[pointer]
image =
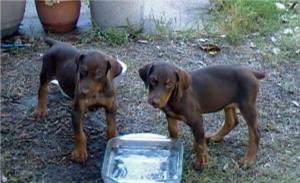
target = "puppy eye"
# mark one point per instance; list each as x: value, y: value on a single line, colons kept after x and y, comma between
x: 169, y: 84
x: 99, y: 76
x: 83, y: 73
x: 152, y: 80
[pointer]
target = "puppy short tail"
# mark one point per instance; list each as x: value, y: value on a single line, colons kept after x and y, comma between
x: 259, y: 75
x: 50, y: 41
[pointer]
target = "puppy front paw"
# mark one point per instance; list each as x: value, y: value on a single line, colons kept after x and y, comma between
x: 111, y: 133
x: 213, y: 137
x: 202, y: 157
x: 247, y: 161
x: 79, y: 155
x: 199, y: 164
x: 174, y: 135
x: 40, y: 113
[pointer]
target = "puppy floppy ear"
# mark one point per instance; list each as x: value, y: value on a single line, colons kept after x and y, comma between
x: 79, y: 58
x: 184, y: 81
x: 114, y: 68
x: 144, y: 73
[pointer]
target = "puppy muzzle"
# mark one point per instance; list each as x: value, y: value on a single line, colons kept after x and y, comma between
x: 154, y: 102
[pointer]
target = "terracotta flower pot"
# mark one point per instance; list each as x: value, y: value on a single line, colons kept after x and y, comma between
x: 58, y: 15
x: 12, y: 13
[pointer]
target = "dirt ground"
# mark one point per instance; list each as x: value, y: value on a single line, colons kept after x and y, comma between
x: 38, y: 151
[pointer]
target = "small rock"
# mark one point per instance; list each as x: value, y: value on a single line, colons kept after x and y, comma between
x: 202, y: 63
x: 158, y: 47
x: 294, y: 16
x: 142, y: 41
x: 225, y: 167
x: 3, y: 179
x: 288, y: 152
x: 4, y: 55
x: 252, y: 45
x: 276, y: 51
x: 284, y: 19
x: 288, y: 31
x: 18, y: 41
x: 273, y: 39
x: 202, y: 40
x: 280, y: 6
x: 297, y: 8
x: 256, y: 34
x: 296, y: 104
x: 160, y: 54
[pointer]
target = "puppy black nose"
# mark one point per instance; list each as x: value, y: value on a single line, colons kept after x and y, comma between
x: 154, y: 102
x: 84, y: 91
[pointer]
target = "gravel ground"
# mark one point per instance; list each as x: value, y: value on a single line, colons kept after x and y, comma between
x: 38, y: 151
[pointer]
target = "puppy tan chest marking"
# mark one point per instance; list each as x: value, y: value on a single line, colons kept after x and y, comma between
x: 172, y: 114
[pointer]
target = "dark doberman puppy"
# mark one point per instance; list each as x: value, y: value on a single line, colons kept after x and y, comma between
x: 85, y: 77
x: 186, y: 96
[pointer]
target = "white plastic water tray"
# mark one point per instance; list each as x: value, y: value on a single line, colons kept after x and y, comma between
x: 142, y: 158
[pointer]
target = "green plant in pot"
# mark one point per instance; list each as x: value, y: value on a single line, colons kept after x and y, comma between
x: 58, y: 16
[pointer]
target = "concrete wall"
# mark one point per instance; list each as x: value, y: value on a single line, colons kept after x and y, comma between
x: 178, y: 14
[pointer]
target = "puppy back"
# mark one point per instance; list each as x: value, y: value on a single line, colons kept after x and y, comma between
x: 50, y: 41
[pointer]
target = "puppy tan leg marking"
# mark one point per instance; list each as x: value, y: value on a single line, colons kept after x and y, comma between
x: 173, y: 127
x: 230, y: 122
x: 202, y: 157
x: 250, y: 115
x: 79, y: 153
x: 41, y: 110
x: 111, y: 121
x: 199, y: 144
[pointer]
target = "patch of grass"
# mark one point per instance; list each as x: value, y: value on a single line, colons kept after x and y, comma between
x: 12, y: 176
x: 162, y: 29
x: 239, y: 18
x: 286, y: 39
x: 86, y: 2
x: 111, y: 35
x: 289, y: 87
x: 92, y: 35
x: 116, y: 36
x: 289, y: 46
x: 188, y: 34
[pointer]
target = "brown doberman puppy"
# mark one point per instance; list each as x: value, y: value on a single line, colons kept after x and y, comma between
x: 85, y: 77
x: 186, y: 96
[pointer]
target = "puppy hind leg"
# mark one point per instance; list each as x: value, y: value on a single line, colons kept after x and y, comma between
x: 41, y: 110
x: 231, y: 120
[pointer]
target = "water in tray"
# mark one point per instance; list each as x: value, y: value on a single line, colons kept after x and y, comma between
x: 149, y: 165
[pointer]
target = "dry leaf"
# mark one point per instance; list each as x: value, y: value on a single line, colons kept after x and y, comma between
x: 210, y: 48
